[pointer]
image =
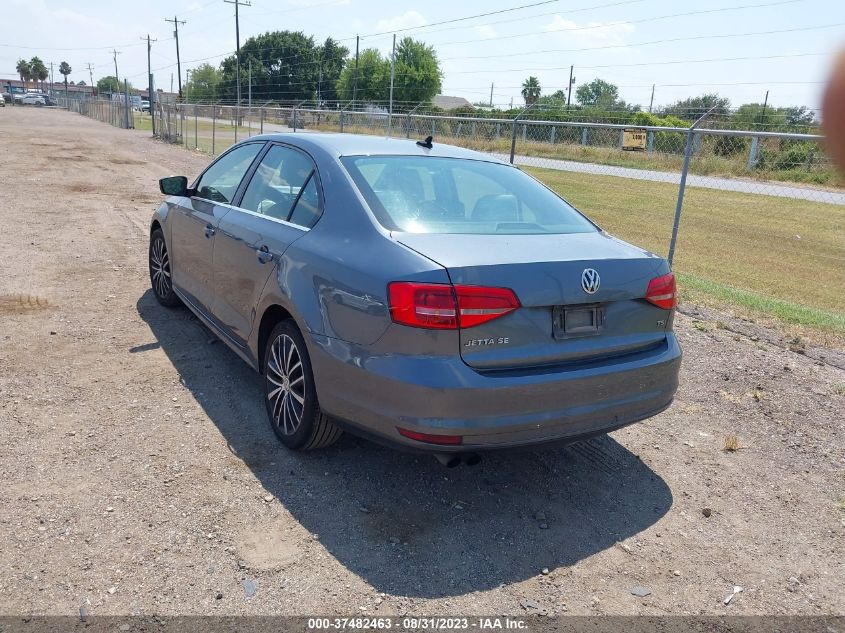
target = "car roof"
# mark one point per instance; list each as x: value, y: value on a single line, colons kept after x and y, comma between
x: 364, y: 145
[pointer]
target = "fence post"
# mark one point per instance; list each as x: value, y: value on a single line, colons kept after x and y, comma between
x: 513, y: 140
x: 196, y: 128
x: 524, y: 131
x: 752, y: 154
x: 213, y: 127
x: 341, y: 120
x: 433, y: 126
x: 458, y: 131
x: 552, y: 135
x: 294, y: 118
x: 261, y: 120
x: 408, y: 125
x: 498, y: 130
x: 681, y: 188
x: 584, y: 135
x: 649, y: 141
x: 683, y: 184
x: 621, y: 139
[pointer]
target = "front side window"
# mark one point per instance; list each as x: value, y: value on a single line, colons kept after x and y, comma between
x: 278, y: 182
x: 423, y: 194
x: 220, y: 181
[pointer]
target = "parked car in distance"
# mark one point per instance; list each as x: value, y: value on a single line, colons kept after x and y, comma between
x: 426, y: 296
x: 31, y: 99
x: 2, y: 101
x: 145, y: 106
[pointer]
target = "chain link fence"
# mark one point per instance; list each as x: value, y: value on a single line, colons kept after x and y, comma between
x: 750, y: 216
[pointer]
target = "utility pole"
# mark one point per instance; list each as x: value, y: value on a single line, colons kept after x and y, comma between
x: 115, y: 53
x: 763, y: 113
x: 150, y: 95
x: 91, y: 76
x: 176, y: 23
x: 651, y: 101
x: 491, y: 95
x: 51, y: 80
x: 392, y: 74
x: 355, y: 80
x: 237, y: 4
x: 569, y: 91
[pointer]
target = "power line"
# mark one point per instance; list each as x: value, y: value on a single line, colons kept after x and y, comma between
x: 639, y: 21
x: 631, y: 44
x: 660, y: 63
x: 463, y: 19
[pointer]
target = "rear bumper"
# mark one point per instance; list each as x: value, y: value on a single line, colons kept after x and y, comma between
x: 495, y: 410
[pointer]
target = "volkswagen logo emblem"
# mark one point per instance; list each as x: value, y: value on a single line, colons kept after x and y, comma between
x: 590, y: 281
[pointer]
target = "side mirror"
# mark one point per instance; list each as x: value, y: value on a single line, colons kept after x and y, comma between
x: 174, y: 186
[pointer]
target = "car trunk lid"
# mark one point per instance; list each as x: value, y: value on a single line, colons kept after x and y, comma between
x: 558, y: 321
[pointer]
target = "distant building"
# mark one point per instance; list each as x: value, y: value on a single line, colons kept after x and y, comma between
x: 74, y: 91
x: 445, y: 102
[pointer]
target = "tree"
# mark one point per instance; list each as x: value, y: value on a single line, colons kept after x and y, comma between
x: 38, y: 70
x: 694, y: 107
x: 204, y: 83
x: 556, y: 99
x: 285, y: 67
x: 373, y: 83
x: 24, y: 71
x: 531, y: 90
x: 332, y: 56
x: 418, y: 77
x: 599, y: 93
x: 81, y: 83
x: 65, y: 69
x: 109, y: 83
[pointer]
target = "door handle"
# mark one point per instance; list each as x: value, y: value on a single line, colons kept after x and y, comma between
x: 209, y: 230
x: 264, y: 254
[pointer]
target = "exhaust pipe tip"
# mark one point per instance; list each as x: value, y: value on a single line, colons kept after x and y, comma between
x: 449, y: 460
x: 472, y: 459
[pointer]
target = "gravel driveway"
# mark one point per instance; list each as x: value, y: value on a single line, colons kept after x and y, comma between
x: 141, y: 476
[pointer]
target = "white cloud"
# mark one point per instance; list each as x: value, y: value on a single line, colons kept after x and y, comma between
x: 485, y: 30
x: 408, y: 20
x: 590, y: 32
x: 194, y: 6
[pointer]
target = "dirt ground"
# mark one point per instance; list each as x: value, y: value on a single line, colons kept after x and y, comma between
x: 141, y: 476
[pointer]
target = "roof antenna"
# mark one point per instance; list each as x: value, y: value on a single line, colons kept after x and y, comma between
x: 426, y: 143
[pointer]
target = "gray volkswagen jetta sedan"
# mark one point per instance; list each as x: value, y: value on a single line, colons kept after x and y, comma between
x: 420, y: 294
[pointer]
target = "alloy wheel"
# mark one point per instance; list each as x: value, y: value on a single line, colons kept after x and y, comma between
x: 160, y: 267
x: 285, y: 384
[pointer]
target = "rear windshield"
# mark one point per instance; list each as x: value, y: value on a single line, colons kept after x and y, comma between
x: 421, y: 194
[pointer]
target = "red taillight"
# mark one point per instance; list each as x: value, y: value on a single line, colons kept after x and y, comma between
x: 447, y: 307
x: 479, y: 304
x: 662, y: 292
x: 431, y: 438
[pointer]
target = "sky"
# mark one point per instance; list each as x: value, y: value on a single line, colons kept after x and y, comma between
x: 737, y: 48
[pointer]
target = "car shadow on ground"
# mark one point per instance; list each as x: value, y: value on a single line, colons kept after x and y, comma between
x: 405, y: 524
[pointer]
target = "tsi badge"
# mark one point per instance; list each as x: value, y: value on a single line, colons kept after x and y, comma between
x: 590, y: 281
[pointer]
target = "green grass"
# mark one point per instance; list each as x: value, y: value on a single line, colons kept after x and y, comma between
x: 692, y: 287
x: 775, y: 256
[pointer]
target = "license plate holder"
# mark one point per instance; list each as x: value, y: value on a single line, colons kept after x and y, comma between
x: 578, y: 320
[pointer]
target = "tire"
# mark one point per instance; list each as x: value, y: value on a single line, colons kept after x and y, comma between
x: 160, y: 277
x: 287, y: 378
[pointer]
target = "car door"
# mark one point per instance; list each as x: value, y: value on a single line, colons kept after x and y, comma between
x: 279, y: 205
x: 193, y: 226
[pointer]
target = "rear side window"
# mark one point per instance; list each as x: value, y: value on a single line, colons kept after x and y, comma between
x: 281, y: 180
x: 220, y: 181
x: 423, y: 194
